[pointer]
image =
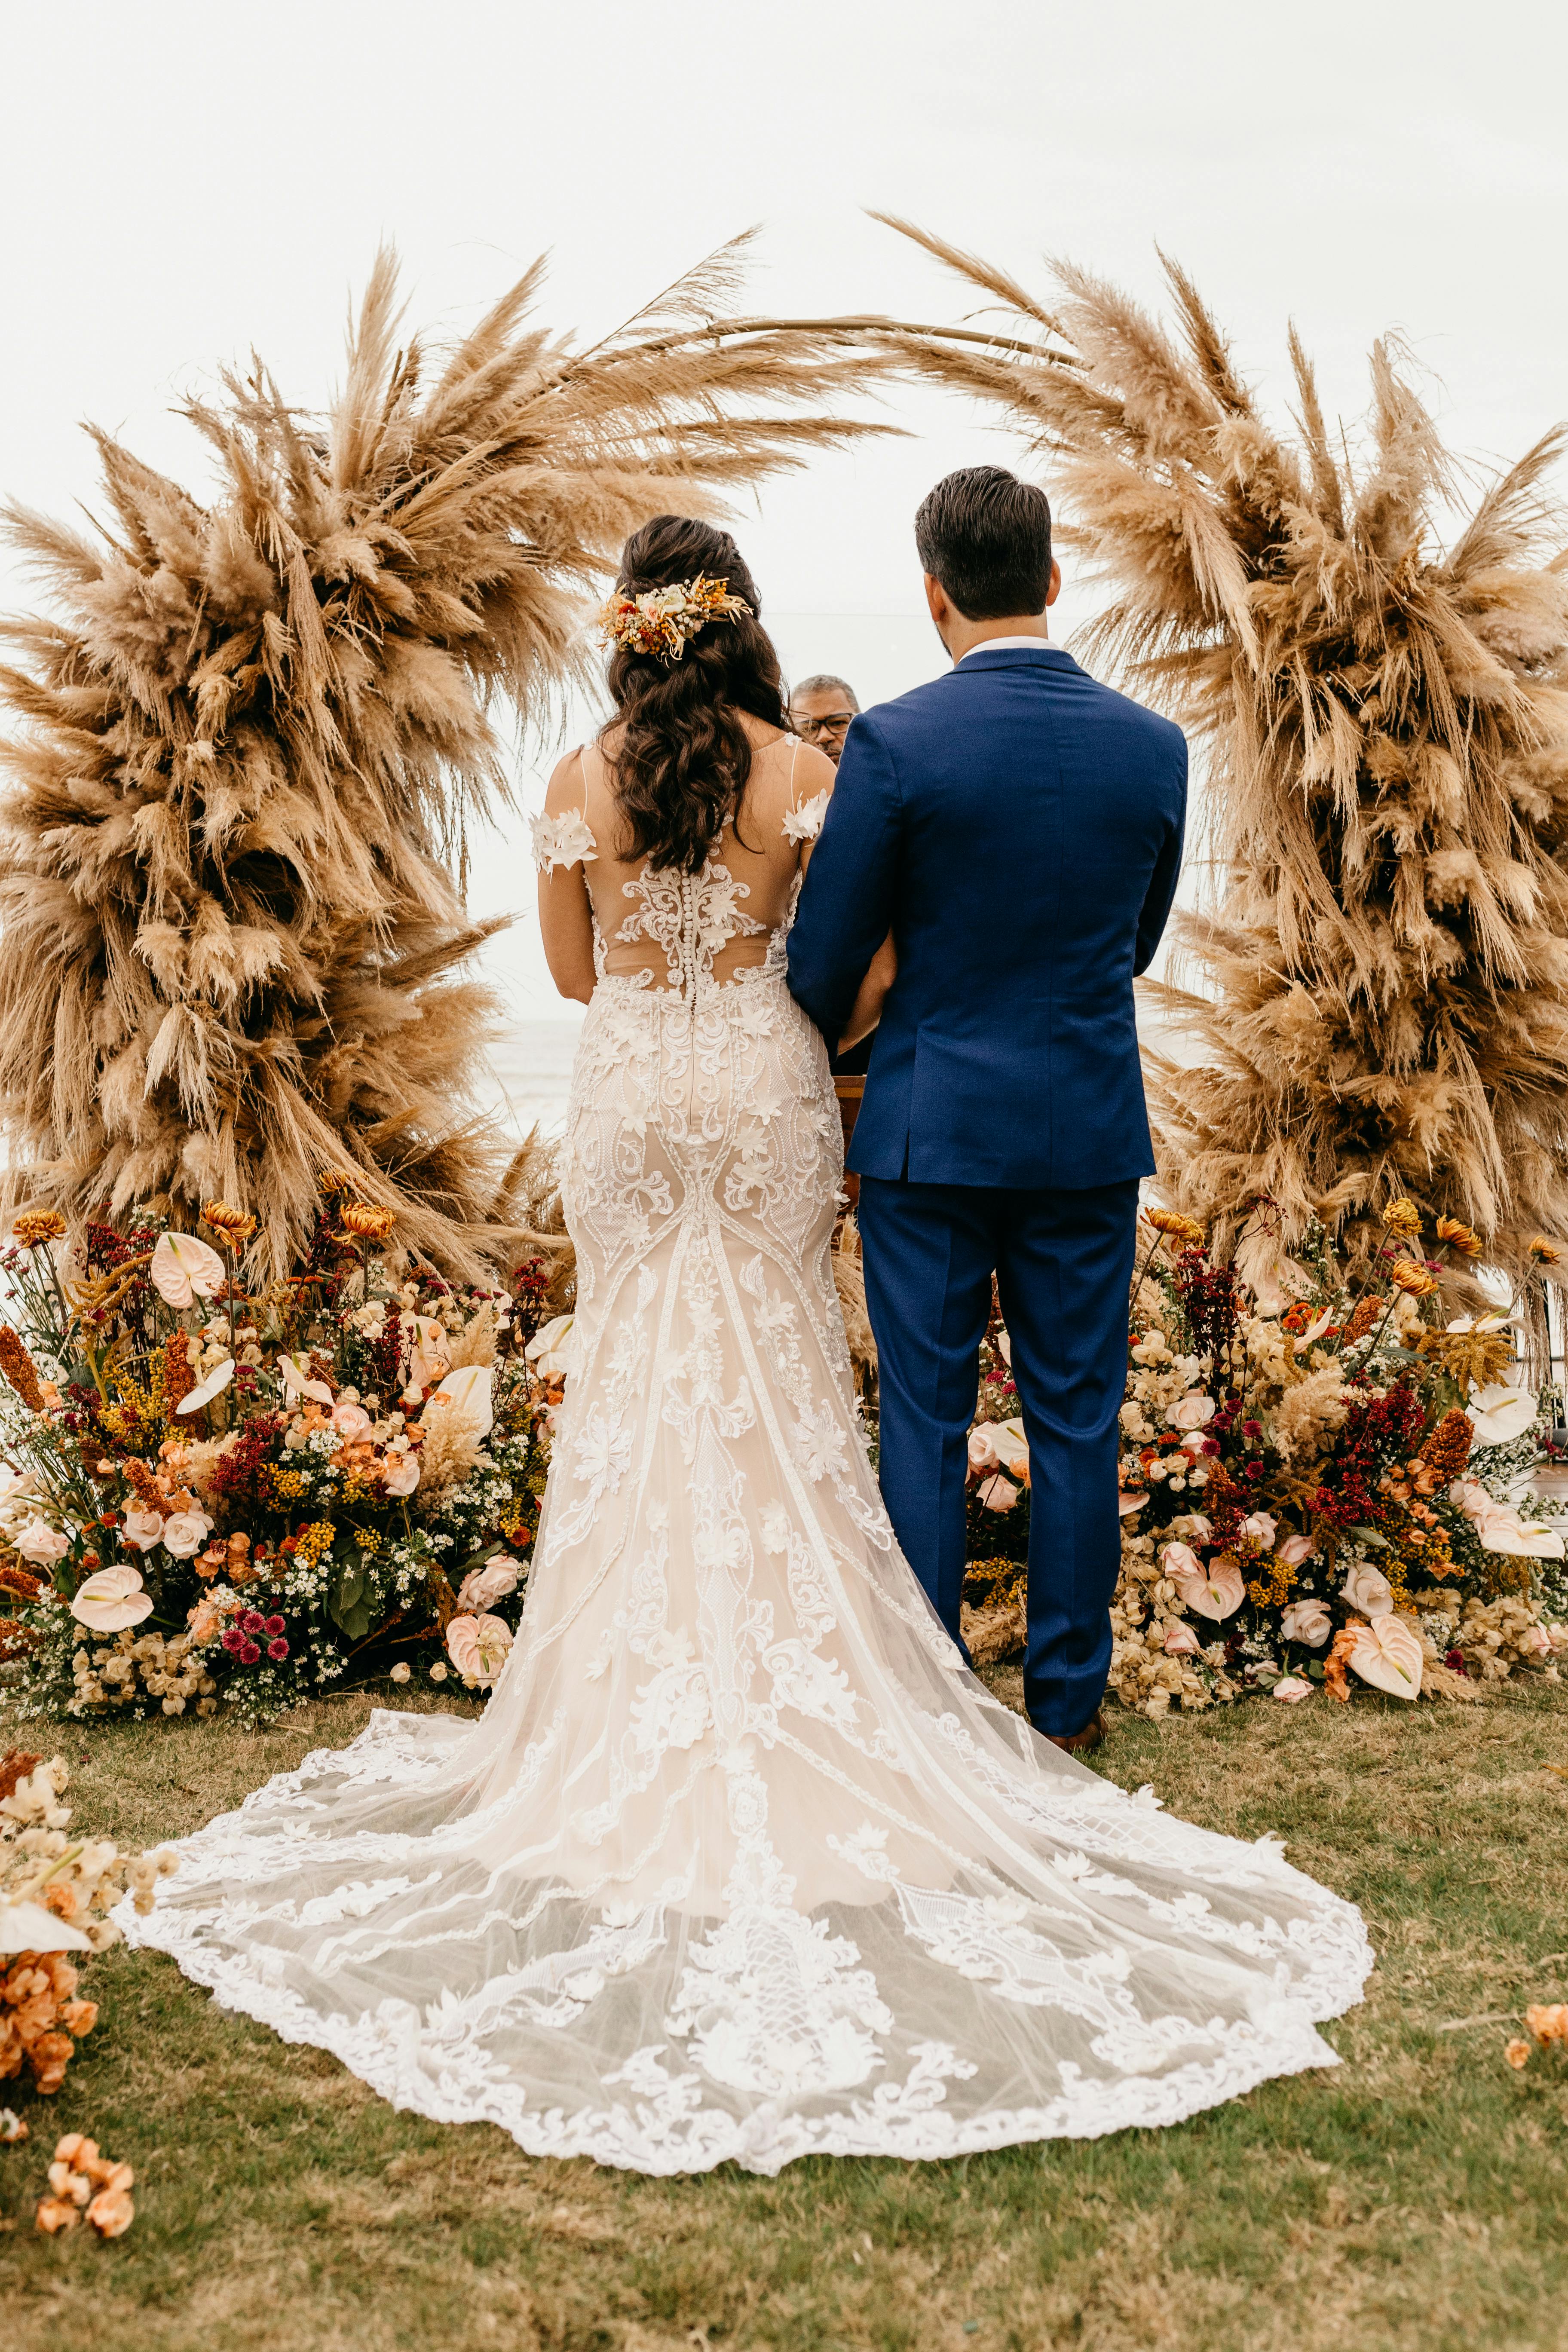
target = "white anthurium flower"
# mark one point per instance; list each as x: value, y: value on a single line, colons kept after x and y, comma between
x: 1012, y: 1448
x: 1500, y: 1529
x: 110, y: 1601
x: 1482, y: 1322
x: 470, y: 1388
x: 183, y: 1267
x: 1499, y: 1414
x: 30, y: 1928
x: 550, y: 1351
x: 13, y: 1481
x: 296, y: 1379
x: 216, y: 1381
x: 1388, y: 1655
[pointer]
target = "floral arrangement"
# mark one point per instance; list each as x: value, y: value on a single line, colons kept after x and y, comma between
x: 217, y: 1495
x: 663, y: 620
x: 56, y: 1890
x: 1317, y: 1485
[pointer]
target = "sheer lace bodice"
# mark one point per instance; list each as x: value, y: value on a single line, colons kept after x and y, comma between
x: 741, y: 1863
x: 683, y: 933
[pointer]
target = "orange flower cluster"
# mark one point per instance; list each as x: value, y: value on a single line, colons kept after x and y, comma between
x: 35, y: 1226
x: 178, y: 1373
x: 1413, y: 1279
x: 1459, y: 1237
x: 82, y: 2180
x: 1403, y: 1219
x: 366, y: 1223
x: 1543, y: 1251
x: 1448, y: 1450
x: 40, y: 2017
x: 20, y: 1369
x: 1369, y: 1313
x: 1545, y: 2023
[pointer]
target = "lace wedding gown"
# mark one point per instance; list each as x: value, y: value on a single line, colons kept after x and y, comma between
x: 741, y: 1863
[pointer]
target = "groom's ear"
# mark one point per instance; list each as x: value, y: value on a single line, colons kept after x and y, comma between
x: 938, y: 601
x: 1054, y: 590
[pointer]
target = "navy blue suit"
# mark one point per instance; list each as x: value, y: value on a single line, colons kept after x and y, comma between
x: 1018, y: 827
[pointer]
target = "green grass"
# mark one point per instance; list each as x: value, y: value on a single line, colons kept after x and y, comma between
x: 1412, y: 2197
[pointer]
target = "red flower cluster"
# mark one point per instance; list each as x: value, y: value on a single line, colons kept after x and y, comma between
x: 244, y: 1638
x: 1377, y: 1431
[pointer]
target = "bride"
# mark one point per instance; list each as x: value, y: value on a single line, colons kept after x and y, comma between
x: 741, y: 1863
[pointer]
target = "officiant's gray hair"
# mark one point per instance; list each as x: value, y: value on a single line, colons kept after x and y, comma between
x: 985, y: 536
x: 822, y: 681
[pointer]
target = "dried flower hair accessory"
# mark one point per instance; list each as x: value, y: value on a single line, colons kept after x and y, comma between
x: 663, y: 620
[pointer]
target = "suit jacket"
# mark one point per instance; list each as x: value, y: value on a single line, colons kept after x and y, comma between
x: 1018, y: 828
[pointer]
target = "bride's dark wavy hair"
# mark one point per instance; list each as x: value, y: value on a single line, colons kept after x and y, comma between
x: 683, y: 758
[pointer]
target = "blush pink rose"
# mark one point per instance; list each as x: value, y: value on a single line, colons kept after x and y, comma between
x: 1180, y: 1640
x: 998, y: 1494
x: 142, y: 1529
x: 1291, y: 1688
x: 982, y: 1454
x: 184, y: 1532
x: 1261, y: 1527
x: 42, y: 1543
x: 1179, y: 1559
x: 400, y: 1472
x: 350, y: 1420
x: 483, y: 1586
x: 1308, y: 1622
x: 1294, y: 1550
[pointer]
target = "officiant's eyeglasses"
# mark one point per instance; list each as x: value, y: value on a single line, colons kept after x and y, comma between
x: 836, y: 723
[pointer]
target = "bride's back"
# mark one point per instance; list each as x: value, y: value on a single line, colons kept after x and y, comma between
x: 670, y: 848
x: 655, y: 923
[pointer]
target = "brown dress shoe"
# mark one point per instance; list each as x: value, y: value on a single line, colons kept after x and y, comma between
x: 1075, y: 1742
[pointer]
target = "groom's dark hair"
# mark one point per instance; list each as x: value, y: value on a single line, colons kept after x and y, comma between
x: 986, y: 537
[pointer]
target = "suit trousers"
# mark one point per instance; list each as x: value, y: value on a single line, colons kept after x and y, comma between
x: 1063, y: 1263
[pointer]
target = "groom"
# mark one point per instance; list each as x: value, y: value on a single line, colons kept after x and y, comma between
x: 1017, y: 827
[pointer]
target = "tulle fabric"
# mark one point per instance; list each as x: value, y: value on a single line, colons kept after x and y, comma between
x: 741, y: 1863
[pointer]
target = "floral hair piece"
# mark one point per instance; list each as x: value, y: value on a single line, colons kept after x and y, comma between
x: 663, y: 620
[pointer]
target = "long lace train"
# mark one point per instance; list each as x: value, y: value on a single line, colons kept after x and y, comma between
x: 741, y: 1863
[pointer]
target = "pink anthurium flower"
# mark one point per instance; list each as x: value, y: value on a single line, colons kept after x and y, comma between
x: 183, y: 1267
x: 1217, y: 1589
x: 479, y: 1646
x: 110, y: 1601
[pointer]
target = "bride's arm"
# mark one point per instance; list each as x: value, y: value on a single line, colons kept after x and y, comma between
x: 866, y: 1010
x: 565, y: 915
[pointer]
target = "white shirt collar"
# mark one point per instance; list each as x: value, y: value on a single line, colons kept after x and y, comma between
x: 1004, y: 645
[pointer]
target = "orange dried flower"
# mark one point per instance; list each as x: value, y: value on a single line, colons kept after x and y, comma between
x: 1336, y: 1681
x: 1517, y: 2052
x: 1448, y: 1449
x: 369, y: 1223
x: 1548, y: 2024
x: 236, y: 1225
x: 1368, y: 1314
x: 35, y: 1226
x: 1178, y: 1228
x: 52, y: 2216
x: 148, y: 1493
x: 1413, y: 1279
x: 1403, y: 1219
x: 1459, y: 1237
x: 179, y: 1378
x: 334, y: 1179
x: 20, y: 1369
x: 1543, y: 1251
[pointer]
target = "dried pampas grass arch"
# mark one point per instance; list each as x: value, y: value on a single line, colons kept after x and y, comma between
x: 247, y: 736
x: 1384, y: 721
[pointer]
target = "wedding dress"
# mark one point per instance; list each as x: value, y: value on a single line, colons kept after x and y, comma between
x: 741, y: 1863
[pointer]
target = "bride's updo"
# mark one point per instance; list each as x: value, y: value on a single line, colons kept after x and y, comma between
x: 683, y: 757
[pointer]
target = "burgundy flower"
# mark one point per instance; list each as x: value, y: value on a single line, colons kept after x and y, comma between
x: 250, y: 1622
x: 277, y: 1649
x: 233, y: 1642
x: 248, y: 1654
x: 1455, y: 1662
x: 274, y: 1626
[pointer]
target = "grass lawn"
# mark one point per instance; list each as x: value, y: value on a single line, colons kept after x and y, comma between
x: 1412, y: 2197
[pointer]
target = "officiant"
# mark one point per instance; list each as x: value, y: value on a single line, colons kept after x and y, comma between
x: 820, y: 710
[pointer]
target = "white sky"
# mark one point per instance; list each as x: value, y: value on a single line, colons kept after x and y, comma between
x: 180, y: 183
